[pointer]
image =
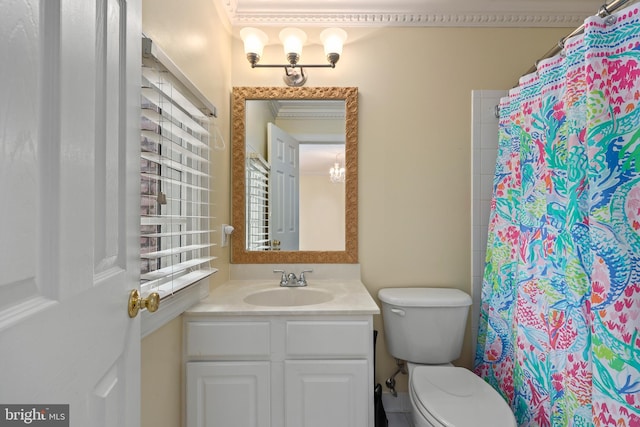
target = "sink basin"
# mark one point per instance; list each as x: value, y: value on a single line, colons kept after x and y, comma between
x: 288, y: 297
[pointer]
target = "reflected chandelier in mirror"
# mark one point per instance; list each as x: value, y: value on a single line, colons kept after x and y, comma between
x: 239, y: 252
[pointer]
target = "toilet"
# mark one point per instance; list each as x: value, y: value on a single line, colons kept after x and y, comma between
x: 425, y: 327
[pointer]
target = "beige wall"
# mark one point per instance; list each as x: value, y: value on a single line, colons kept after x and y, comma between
x: 192, y: 35
x: 322, y: 206
x: 258, y: 116
x: 415, y: 144
x: 414, y: 150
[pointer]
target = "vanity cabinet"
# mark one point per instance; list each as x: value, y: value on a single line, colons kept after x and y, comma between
x: 292, y: 371
x: 228, y: 394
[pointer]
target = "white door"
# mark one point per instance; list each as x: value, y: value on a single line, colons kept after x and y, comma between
x: 69, y: 114
x: 284, y: 187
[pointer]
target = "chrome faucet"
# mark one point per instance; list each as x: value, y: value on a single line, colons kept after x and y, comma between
x: 284, y: 281
x: 302, y: 281
x: 290, y: 280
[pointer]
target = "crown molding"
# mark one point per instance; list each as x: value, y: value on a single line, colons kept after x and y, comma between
x: 410, y: 19
x: 308, y: 109
x: 459, y: 13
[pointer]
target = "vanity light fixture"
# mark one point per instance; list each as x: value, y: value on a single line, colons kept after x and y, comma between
x: 292, y: 40
x: 337, y: 173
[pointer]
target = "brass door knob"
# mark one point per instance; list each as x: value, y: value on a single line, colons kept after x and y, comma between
x: 136, y: 302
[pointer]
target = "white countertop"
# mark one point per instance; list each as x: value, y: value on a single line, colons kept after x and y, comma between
x: 349, y: 297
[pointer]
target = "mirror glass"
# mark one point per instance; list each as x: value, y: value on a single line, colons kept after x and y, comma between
x: 287, y: 206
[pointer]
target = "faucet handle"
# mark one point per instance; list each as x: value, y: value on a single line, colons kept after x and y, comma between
x: 303, y: 280
x: 283, y: 279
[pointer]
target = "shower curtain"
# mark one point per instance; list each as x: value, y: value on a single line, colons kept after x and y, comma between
x: 559, y: 333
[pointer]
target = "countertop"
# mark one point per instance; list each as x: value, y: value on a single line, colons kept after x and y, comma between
x: 349, y: 297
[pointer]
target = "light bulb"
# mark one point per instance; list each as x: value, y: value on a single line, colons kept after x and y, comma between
x: 333, y: 40
x: 293, y: 39
x: 254, y: 41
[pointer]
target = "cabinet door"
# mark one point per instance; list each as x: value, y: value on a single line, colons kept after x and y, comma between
x: 228, y: 394
x: 326, y: 393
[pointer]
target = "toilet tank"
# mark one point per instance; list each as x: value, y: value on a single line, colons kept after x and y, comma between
x: 424, y: 325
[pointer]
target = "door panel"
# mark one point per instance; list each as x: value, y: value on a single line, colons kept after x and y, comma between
x: 69, y: 216
x: 108, y: 173
x: 19, y: 173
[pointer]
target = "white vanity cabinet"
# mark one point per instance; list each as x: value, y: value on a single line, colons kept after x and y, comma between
x: 279, y: 371
x: 228, y: 373
x: 228, y: 394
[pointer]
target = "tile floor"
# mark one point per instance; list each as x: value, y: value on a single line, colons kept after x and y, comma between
x: 399, y: 419
x: 397, y: 409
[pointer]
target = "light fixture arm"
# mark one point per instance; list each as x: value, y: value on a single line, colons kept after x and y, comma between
x: 256, y: 65
x: 291, y: 77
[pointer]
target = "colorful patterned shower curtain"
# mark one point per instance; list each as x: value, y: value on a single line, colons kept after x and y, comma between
x: 559, y: 333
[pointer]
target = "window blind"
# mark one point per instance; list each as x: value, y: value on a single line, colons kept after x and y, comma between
x: 258, y: 199
x: 175, y: 190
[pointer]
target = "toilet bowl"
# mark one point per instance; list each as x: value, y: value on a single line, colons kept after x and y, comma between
x: 449, y: 396
x: 425, y: 327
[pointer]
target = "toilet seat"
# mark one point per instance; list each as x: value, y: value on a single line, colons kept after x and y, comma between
x: 449, y: 396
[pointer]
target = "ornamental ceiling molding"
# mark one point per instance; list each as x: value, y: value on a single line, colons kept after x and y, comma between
x: 413, y: 19
x: 417, y: 19
x: 307, y: 110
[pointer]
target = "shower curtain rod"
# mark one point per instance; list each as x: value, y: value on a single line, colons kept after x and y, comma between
x: 605, y: 10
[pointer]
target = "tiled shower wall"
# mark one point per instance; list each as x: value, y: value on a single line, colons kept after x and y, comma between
x: 484, y: 141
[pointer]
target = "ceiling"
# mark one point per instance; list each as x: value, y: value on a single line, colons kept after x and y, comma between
x: 376, y: 13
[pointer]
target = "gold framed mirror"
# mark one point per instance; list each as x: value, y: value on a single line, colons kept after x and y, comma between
x: 239, y: 250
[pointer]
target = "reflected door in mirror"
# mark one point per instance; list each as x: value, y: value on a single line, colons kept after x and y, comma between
x: 284, y: 184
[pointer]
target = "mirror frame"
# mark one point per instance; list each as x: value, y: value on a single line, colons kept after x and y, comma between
x: 239, y: 253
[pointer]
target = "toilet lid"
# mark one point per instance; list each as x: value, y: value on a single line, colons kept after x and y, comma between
x: 456, y: 397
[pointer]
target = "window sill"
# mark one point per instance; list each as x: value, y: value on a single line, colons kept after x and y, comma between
x: 172, y: 307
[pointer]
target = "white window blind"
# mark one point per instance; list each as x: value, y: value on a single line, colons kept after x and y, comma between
x: 258, y: 199
x: 175, y: 190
